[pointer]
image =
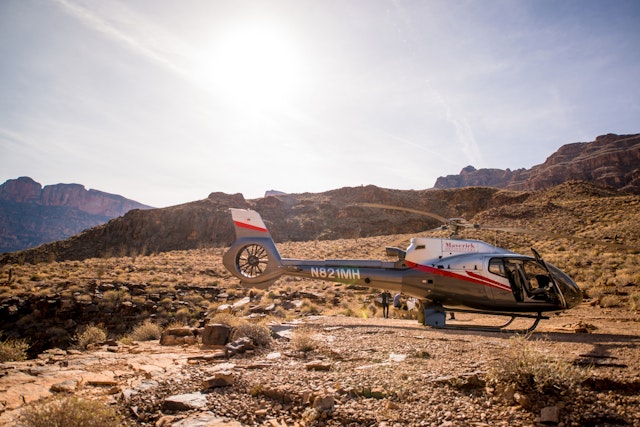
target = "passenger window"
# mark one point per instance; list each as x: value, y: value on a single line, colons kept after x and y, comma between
x: 496, y: 266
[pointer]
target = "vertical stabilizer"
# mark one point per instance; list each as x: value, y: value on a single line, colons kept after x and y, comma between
x: 248, y: 223
x: 253, y: 256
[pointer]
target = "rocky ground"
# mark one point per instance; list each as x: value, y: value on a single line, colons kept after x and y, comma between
x: 354, y: 371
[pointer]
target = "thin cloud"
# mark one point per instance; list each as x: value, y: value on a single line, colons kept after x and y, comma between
x: 118, y: 25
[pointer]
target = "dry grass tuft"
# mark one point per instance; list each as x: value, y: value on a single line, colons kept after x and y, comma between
x: 302, y: 340
x: 532, y: 372
x: 13, y: 349
x: 259, y: 334
x: 88, y: 335
x: 147, y: 331
x: 71, y: 412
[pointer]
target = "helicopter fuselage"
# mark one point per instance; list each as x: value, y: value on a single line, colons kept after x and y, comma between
x: 446, y: 272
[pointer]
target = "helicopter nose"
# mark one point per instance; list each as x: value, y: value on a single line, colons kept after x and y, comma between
x: 571, y: 292
x: 574, y: 299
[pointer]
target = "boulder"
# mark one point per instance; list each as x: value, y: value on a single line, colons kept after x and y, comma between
x: 216, y: 334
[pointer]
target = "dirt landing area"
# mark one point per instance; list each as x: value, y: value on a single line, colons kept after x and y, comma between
x: 358, y: 372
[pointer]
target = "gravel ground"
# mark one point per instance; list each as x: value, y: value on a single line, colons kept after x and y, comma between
x: 388, y: 372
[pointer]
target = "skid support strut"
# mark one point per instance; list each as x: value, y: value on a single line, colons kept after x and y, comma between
x: 436, y: 317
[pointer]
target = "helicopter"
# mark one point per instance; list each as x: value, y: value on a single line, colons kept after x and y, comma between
x: 444, y: 274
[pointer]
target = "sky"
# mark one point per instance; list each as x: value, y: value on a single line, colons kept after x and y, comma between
x: 165, y: 102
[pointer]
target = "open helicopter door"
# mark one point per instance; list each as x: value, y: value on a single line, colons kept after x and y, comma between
x: 556, y: 288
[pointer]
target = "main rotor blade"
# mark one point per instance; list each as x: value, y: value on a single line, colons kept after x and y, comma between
x: 559, y: 236
x: 399, y: 208
x: 450, y: 222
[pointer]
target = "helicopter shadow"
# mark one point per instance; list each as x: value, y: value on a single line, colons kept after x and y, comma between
x: 602, y: 343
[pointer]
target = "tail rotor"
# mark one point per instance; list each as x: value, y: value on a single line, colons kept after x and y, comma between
x: 252, y: 260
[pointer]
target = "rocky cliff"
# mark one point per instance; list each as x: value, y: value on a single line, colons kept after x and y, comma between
x: 611, y: 160
x: 31, y: 215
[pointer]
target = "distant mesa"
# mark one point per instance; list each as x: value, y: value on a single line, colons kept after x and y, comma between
x: 271, y: 193
x: 31, y: 215
x: 611, y: 160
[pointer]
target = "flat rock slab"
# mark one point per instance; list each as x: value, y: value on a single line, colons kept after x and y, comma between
x: 185, y: 402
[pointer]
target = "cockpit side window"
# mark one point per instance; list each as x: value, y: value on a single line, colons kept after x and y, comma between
x: 496, y: 266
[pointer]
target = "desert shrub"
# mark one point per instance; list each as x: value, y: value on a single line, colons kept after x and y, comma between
x: 58, y: 336
x: 146, y: 331
x: 372, y: 309
x: 532, y: 372
x: 609, y: 301
x: 308, y: 307
x: 634, y: 302
x: 88, y: 335
x: 116, y: 295
x: 348, y: 311
x: 595, y: 292
x: 183, y: 315
x: 302, y: 340
x: 71, y: 412
x: 260, y: 334
x: 13, y: 349
x: 84, y: 298
x: 279, y: 313
x: 224, y: 318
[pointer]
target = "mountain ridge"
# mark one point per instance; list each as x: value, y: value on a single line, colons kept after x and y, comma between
x: 31, y: 214
x: 332, y: 215
x: 610, y: 160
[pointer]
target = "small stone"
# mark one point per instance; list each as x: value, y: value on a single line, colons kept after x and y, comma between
x: 392, y: 405
x: 68, y: 386
x: 324, y: 403
x: 185, y: 402
x: 318, y: 365
x: 549, y: 415
x: 220, y: 379
x: 521, y: 400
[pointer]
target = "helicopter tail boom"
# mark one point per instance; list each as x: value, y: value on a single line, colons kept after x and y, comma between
x: 254, y: 259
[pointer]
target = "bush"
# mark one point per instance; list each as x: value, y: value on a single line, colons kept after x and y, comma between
x: 302, y: 340
x: 89, y: 335
x: 13, y: 349
x: 71, y: 412
x: 531, y: 372
x: 608, y: 301
x: 224, y: 318
x: 260, y: 334
x: 146, y: 331
x: 308, y: 307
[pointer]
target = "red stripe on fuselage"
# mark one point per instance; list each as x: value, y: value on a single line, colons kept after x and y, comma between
x: 472, y: 277
x: 489, y: 282
x: 249, y: 226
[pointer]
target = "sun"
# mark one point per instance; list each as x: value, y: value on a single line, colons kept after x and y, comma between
x: 257, y: 65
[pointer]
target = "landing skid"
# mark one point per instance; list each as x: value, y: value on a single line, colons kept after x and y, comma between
x: 435, y: 316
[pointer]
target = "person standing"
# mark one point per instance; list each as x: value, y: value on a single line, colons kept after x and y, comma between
x: 386, y: 299
x: 397, y: 301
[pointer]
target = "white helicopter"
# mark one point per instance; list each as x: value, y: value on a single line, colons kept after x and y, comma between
x: 444, y: 274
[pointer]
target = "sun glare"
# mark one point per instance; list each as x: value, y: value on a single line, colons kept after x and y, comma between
x: 255, y: 65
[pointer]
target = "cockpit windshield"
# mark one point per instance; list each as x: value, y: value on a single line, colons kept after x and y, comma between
x: 570, y: 291
x: 534, y: 279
